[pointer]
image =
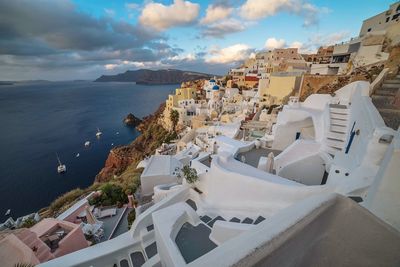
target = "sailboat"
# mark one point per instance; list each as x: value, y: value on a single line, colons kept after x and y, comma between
x: 61, y: 167
x: 98, y: 134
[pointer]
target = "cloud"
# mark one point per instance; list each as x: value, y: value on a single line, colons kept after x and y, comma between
x: 110, y: 12
x: 216, y: 13
x: 230, y: 54
x: 222, y: 28
x: 273, y: 43
x: 296, y: 44
x: 162, y: 17
x: 54, y: 40
x: 258, y: 9
x: 131, y: 6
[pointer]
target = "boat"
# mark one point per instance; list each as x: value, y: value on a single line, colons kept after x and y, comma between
x: 77, y: 155
x: 61, y: 167
x: 7, y: 212
x: 112, y: 144
x: 87, y: 143
x: 117, y: 133
x: 99, y: 133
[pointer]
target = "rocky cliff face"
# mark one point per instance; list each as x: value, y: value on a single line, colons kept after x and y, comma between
x: 153, y: 135
x: 328, y: 84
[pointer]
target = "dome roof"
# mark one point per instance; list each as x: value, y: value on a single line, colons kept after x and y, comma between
x: 215, y: 87
x: 212, y: 81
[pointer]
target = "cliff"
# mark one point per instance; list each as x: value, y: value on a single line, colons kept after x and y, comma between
x: 145, y: 76
x: 120, y: 158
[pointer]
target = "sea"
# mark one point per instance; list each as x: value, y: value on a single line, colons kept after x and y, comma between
x: 39, y: 120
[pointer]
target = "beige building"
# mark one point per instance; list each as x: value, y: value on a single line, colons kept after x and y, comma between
x: 174, y: 101
x: 382, y: 21
x: 281, y: 84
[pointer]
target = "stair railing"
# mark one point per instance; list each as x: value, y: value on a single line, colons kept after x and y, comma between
x: 377, y: 83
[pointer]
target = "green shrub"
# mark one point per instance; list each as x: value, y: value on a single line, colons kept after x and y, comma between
x: 131, y: 217
x: 65, y: 199
x: 111, y: 194
x: 190, y: 174
x: 28, y: 223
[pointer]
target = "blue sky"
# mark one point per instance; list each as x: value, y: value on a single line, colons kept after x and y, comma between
x: 87, y: 38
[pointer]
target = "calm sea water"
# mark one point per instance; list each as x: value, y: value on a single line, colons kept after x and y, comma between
x: 40, y: 119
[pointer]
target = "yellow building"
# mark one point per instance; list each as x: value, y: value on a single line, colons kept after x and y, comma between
x: 180, y: 94
x: 172, y: 103
x: 280, y: 86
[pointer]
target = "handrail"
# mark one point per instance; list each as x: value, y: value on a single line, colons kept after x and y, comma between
x: 378, y: 81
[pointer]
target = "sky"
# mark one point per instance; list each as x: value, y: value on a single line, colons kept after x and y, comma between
x: 83, y: 39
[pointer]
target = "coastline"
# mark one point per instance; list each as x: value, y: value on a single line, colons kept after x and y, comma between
x: 120, y: 164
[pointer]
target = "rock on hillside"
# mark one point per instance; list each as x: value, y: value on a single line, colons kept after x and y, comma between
x: 119, y: 158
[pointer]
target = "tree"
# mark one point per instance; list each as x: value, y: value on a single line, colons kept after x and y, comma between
x: 174, y: 117
x: 190, y: 174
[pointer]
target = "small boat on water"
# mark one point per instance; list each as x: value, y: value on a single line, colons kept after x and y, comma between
x: 117, y: 133
x: 112, y: 144
x: 99, y: 133
x: 77, y: 155
x: 87, y: 143
x: 7, y: 212
x: 61, y: 167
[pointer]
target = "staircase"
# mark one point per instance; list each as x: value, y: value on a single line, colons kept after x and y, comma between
x: 387, y: 100
x: 335, y: 139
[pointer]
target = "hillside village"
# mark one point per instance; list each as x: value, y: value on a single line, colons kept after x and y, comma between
x: 286, y: 150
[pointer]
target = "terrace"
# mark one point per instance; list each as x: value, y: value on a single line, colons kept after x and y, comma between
x: 253, y: 156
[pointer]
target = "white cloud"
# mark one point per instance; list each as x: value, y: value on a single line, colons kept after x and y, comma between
x: 234, y: 53
x: 188, y: 57
x: 109, y: 12
x: 162, y: 17
x: 110, y: 66
x: 224, y: 27
x: 258, y: 9
x: 296, y: 44
x: 216, y: 13
x: 273, y: 43
x: 131, y: 6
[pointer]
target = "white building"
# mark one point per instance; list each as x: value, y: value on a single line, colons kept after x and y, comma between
x: 382, y: 21
x: 160, y: 169
x: 332, y: 179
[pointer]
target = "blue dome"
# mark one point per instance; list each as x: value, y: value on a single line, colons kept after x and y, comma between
x: 215, y: 87
x: 212, y: 81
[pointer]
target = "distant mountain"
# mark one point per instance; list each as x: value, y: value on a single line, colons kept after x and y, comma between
x: 145, y: 76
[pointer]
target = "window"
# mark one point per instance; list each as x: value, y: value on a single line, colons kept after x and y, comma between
x: 387, y: 19
x: 369, y: 30
x: 395, y: 16
x: 124, y: 263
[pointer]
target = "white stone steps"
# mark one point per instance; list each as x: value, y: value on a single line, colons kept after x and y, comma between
x: 335, y: 143
x: 339, y: 116
x: 332, y: 150
x: 338, y: 122
x: 340, y: 129
x: 338, y: 111
x: 337, y: 136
